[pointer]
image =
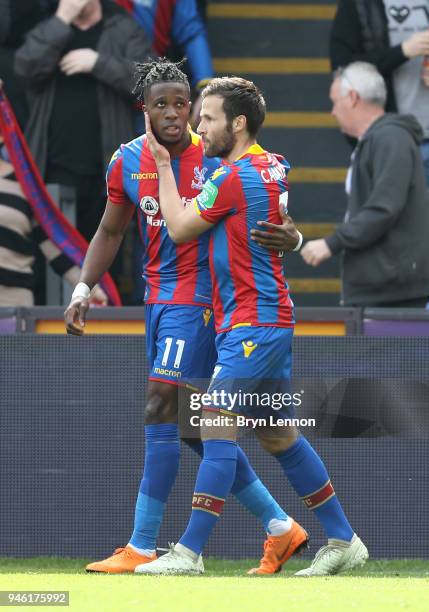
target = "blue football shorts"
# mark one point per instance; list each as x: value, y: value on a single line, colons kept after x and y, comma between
x: 253, y: 370
x: 180, y: 342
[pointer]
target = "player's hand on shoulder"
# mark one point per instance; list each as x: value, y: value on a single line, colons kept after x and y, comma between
x: 75, y: 316
x: 160, y: 153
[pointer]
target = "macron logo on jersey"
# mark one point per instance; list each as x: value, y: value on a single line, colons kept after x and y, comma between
x: 140, y: 176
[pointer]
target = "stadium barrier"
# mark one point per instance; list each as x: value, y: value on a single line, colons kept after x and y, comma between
x: 71, y: 445
x: 395, y: 322
x: 328, y: 321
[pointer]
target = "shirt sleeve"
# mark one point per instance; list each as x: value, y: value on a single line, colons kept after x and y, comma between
x: 217, y: 200
x: 190, y: 34
x: 114, y: 179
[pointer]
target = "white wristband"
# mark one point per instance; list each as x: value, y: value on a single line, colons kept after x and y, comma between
x: 300, y: 241
x: 81, y: 291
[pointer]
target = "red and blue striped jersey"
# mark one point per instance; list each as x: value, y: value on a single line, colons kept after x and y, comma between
x: 177, y: 22
x: 174, y: 274
x: 249, y: 287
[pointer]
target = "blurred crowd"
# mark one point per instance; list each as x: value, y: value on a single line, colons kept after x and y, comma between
x: 67, y: 68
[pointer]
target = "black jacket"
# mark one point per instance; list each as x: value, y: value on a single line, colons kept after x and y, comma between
x: 121, y: 43
x: 17, y: 17
x: 384, y: 239
x: 359, y: 33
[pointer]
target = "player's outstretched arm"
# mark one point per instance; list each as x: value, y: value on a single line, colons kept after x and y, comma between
x: 101, y: 253
x: 183, y: 224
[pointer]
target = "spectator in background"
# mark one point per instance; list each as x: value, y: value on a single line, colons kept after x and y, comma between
x: 80, y: 64
x: 395, y: 38
x: 178, y: 24
x: 384, y: 236
x: 19, y: 238
x: 17, y: 17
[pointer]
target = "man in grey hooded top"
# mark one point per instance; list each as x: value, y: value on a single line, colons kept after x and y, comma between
x: 384, y: 236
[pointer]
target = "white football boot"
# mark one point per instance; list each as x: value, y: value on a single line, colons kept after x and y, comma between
x: 176, y: 561
x: 338, y: 556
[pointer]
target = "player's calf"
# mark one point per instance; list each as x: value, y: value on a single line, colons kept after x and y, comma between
x: 161, y: 405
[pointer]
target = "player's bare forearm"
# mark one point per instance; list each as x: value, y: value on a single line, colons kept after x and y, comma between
x: 99, y: 257
x: 106, y: 242
x: 171, y: 204
x: 169, y: 199
x: 183, y: 224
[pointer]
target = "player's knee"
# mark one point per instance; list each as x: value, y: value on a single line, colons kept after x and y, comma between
x: 161, y: 406
x: 274, y: 443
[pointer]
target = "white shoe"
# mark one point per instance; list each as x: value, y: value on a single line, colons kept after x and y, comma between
x: 338, y: 556
x: 176, y: 561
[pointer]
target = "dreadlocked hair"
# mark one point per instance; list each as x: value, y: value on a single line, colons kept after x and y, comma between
x: 159, y: 70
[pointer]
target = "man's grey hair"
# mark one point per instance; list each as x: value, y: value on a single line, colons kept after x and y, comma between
x: 365, y: 79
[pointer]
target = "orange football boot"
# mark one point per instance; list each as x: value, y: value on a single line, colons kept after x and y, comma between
x: 278, y: 549
x: 123, y: 561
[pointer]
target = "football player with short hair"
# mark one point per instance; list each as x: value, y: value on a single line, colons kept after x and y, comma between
x: 254, y: 322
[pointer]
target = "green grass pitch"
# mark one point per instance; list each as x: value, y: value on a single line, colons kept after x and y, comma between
x: 380, y: 585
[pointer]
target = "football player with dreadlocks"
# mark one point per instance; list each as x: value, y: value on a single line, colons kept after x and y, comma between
x: 180, y: 334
